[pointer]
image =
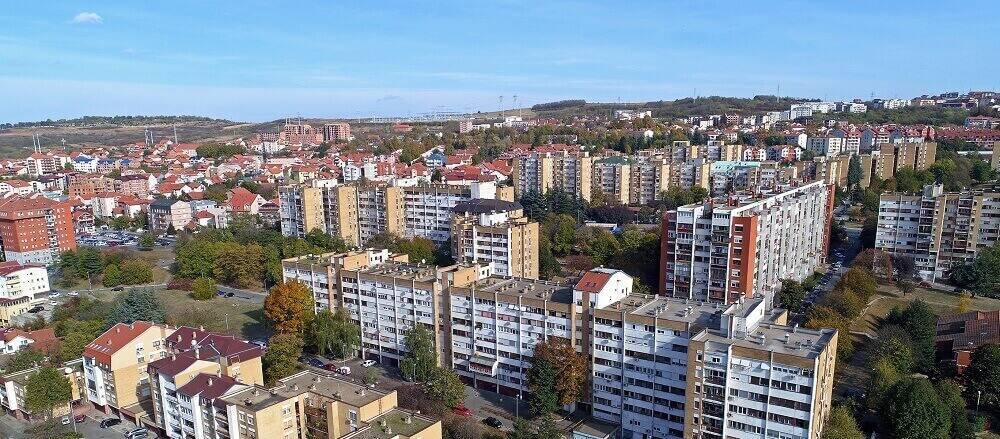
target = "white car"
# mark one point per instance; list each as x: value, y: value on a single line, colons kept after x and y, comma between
x: 344, y: 370
x: 53, y: 303
x: 53, y: 294
x: 73, y: 294
x: 368, y: 363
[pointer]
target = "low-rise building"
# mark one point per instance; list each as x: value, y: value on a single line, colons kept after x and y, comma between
x: 957, y: 336
x: 169, y: 213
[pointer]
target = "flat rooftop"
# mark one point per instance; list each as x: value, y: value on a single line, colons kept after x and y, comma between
x: 800, y: 342
x: 404, y: 270
x: 308, y: 381
x: 395, y: 422
x: 537, y: 289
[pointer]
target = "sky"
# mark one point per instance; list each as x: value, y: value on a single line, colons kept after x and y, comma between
x: 264, y: 60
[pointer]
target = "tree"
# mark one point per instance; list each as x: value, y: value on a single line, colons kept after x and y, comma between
x: 112, y: 276
x: 203, y: 288
x: 23, y: 360
x: 845, y: 302
x: 983, y: 376
x: 821, y: 316
x: 134, y: 305
x: 333, y: 333
x: 914, y: 411
x: 72, y: 345
x: 45, y: 389
x: 146, y: 241
x: 421, y: 358
x: 325, y: 241
x: 282, y: 356
x: 860, y: 281
x: 791, y: 295
x: 239, y: 265
x: 419, y: 249
x: 289, y: 307
x: 892, y: 347
x: 445, y: 388
x: 841, y: 425
x: 884, y: 376
x: 569, y: 365
x: 854, y: 172
x: 919, y: 321
x: 548, y: 265
x: 542, y: 383
x: 136, y: 272
x: 562, y: 229
x: 950, y: 394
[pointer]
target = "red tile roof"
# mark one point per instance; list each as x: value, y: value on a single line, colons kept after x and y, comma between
x: 105, y: 345
x: 208, y: 386
x: 593, y: 281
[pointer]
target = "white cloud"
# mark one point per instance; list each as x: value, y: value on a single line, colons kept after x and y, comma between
x: 88, y: 18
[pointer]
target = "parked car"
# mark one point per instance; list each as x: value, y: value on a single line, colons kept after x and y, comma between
x: 53, y: 294
x: 73, y: 294
x: 230, y: 294
x: 65, y: 420
x: 53, y: 303
x: 110, y: 422
x: 368, y: 363
x: 344, y: 370
x: 462, y: 411
x: 36, y: 309
x: 118, y: 288
x: 493, y: 422
x: 315, y: 362
x: 332, y: 367
x: 137, y: 433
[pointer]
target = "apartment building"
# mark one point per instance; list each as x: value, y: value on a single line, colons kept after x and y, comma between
x: 17, y: 280
x: 380, y: 210
x: 315, y: 405
x: 692, y: 173
x: 337, y: 132
x: 165, y: 213
x: 541, y: 172
x: 35, y: 229
x: 656, y: 362
x: 115, y: 366
x: 939, y: 230
x: 13, y: 391
x: 384, y: 294
x: 428, y: 208
x: 611, y: 177
x: 828, y: 146
x: 497, y: 234
x: 744, y: 246
x: 199, y: 364
x: 648, y: 178
x: 895, y: 156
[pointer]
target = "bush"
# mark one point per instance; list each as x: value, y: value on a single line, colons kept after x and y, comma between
x: 203, y: 288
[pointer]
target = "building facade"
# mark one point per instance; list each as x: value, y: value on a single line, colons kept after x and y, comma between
x: 497, y: 234
x: 35, y: 229
x: 745, y: 247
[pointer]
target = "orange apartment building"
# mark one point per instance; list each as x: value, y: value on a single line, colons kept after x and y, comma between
x: 35, y: 229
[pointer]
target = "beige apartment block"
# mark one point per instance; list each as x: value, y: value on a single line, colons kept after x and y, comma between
x: 495, y: 233
x: 115, y: 366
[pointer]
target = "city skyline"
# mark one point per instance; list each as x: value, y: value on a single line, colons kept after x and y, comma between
x: 246, y: 64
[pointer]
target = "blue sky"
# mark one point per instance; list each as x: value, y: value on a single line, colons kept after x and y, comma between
x: 263, y: 60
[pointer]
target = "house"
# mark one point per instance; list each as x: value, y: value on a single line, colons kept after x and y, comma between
x: 242, y: 201
x: 956, y: 337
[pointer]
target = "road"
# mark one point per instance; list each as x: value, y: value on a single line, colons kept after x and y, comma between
x: 253, y: 296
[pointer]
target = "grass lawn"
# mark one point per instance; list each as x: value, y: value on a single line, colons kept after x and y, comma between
x: 244, y: 318
x: 941, y: 302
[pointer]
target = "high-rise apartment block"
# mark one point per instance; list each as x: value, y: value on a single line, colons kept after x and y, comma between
x: 497, y: 234
x: 895, y: 156
x: 35, y: 229
x: 336, y: 132
x: 660, y: 367
x: 355, y: 213
x: 939, y: 230
x: 743, y: 247
x: 541, y: 172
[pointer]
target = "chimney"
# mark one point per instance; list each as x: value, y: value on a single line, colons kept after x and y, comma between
x: 209, y: 382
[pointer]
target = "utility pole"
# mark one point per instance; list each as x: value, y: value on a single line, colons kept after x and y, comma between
x: 502, y: 114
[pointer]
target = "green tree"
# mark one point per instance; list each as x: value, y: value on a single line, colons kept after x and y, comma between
x: 72, y: 345
x: 919, y: 321
x: 791, y: 295
x: 854, y: 172
x: 884, y: 376
x: 325, y: 241
x: 421, y: 358
x: 418, y: 249
x: 282, y: 356
x: 445, y: 388
x: 914, y: 411
x: 841, y: 425
x: 950, y: 394
x: 134, y: 305
x: 203, y: 288
x: 333, y: 333
x: 112, y: 276
x: 562, y: 229
x: 136, y: 272
x: 45, y: 389
x: 24, y: 359
x: 542, y: 383
x: 146, y: 241
x: 983, y: 377
x: 239, y: 265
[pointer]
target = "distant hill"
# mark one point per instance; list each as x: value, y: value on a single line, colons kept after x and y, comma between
x: 669, y: 109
